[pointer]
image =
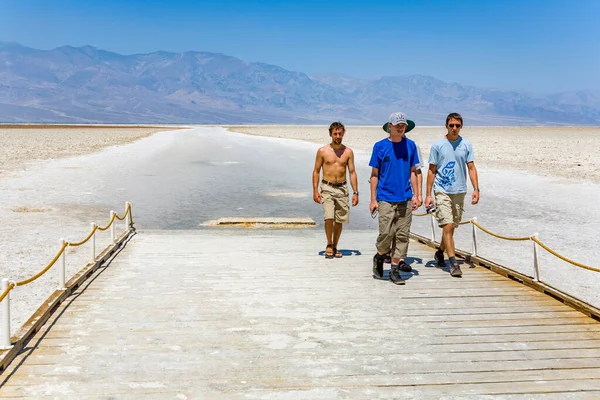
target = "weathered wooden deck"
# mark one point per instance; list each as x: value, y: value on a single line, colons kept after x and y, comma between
x: 259, y: 314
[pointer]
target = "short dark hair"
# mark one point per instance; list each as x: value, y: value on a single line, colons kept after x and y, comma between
x: 337, y: 125
x: 454, y: 116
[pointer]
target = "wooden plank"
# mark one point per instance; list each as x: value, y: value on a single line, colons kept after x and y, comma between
x: 567, y: 299
x: 177, y: 317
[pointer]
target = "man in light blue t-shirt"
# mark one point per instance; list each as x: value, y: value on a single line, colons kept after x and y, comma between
x: 450, y: 159
x: 395, y: 193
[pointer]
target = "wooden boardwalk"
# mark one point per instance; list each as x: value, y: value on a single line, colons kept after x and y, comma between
x: 259, y: 314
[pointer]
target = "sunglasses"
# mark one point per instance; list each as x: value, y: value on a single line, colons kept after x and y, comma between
x: 454, y: 125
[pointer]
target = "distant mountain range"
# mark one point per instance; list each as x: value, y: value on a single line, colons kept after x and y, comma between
x: 88, y: 85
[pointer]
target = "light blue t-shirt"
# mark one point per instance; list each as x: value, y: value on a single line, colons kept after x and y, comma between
x: 394, y: 161
x: 451, y: 159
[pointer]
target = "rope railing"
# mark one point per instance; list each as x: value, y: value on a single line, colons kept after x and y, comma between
x: 9, y: 285
x: 84, y: 241
x: 112, y: 219
x: 533, y: 238
x: 42, y: 272
x: 555, y: 254
x: 516, y: 239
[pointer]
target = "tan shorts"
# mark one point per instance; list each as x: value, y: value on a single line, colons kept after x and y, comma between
x: 394, y: 223
x: 335, y: 203
x: 449, y: 208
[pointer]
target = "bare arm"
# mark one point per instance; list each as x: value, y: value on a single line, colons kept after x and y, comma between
x: 316, y: 175
x: 419, y: 191
x: 373, y: 185
x: 430, y: 179
x: 353, y: 178
x: 413, y: 183
x: 474, y: 181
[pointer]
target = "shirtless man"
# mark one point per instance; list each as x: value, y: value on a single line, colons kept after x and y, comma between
x: 334, y: 159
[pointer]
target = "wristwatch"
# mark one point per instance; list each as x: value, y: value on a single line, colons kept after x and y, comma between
x: 356, y: 193
x: 476, y: 189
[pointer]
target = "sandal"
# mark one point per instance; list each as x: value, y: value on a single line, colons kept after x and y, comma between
x: 327, y: 254
x: 336, y: 253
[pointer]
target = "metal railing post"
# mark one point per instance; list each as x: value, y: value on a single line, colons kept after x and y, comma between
x: 432, y: 228
x: 113, y: 237
x: 5, y: 342
x: 61, y: 266
x: 536, y: 259
x: 93, y: 250
x: 474, y: 249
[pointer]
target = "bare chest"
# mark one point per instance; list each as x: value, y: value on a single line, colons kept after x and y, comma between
x: 339, y: 157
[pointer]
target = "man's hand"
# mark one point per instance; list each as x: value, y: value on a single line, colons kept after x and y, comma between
x: 354, y: 200
x: 317, y: 197
x: 418, y: 200
x: 428, y: 202
x: 373, y: 206
x: 475, y: 197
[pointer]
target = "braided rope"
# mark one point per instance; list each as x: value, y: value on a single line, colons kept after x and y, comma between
x: 86, y: 239
x: 42, y: 272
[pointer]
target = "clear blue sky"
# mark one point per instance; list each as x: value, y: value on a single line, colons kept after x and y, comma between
x: 541, y: 46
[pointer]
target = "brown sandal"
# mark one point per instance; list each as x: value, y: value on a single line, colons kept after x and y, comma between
x: 336, y: 253
x: 329, y: 255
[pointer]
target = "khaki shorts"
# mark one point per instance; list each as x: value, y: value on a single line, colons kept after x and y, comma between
x: 335, y: 203
x: 449, y: 208
x: 394, y: 223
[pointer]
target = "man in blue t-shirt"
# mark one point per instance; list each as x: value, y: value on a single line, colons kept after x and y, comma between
x: 395, y: 193
x: 450, y: 159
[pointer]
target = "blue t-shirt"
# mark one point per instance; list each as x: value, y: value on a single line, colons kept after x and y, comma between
x: 394, y: 161
x: 451, y: 159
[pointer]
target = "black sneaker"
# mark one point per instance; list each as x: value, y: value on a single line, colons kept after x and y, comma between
x: 439, y: 258
x: 378, y: 266
x: 404, y: 267
x: 387, y: 258
x: 455, y: 271
x: 395, y: 276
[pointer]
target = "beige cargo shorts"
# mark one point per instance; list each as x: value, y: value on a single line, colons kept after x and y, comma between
x: 335, y: 202
x: 449, y: 208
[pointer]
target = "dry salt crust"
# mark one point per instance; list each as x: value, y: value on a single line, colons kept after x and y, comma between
x: 31, y: 228
x: 32, y: 224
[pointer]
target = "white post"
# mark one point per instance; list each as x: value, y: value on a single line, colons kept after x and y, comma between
x: 432, y: 228
x: 5, y: 342
x: 128, y: 219
x: 536, y: 260
x: 93, y: 252
x: 113, y: 237
x: 61, y: 266
x: 474, y: 250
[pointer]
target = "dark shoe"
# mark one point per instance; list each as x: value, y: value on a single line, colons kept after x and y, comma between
x: 395, y: 276
x: 378, y: 266
x: 455, y: 271
x: 439, y: 258
x: 404, y: 267
x: 387, y: 258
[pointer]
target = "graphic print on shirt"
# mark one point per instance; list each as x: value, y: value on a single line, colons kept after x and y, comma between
x: 448, y: 178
